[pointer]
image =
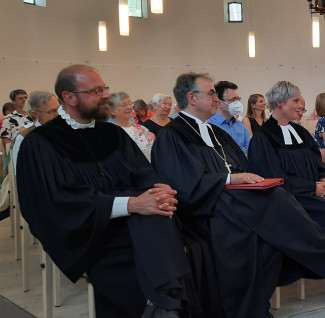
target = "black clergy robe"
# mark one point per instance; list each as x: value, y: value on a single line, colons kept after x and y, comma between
x: 248, y: 232
x: 300, y: 165
x: 67, y: 181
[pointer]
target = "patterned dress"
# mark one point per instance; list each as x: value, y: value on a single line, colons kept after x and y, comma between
x: 141, y: 137
x: 12, y: 123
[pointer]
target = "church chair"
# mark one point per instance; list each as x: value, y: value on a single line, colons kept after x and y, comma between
x: 91, y: 301
x: 276, y: 297
x: 14, y: 212
x: 6, y: 161
x: 51, y: 288
x: 309, y: 124
x: 22, y: 233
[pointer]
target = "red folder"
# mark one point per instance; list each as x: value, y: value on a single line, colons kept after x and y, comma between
x: 267, y: 183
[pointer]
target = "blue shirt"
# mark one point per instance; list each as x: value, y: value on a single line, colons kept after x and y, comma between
x: 320, y: 128
x: 235, y: 128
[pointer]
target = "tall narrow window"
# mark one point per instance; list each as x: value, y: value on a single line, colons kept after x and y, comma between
x: 138, y: 8
x: 235, y: 12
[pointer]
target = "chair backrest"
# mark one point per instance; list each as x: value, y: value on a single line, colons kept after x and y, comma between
x: 309, y: 124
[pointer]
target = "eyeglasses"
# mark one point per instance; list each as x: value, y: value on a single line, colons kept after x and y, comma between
x: 232, y: 100
x: 125, y: 105
x: 48, y: 112
x: 98, y: 91
x: 211, y: 93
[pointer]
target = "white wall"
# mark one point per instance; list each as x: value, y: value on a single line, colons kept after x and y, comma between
x: 36, y: 42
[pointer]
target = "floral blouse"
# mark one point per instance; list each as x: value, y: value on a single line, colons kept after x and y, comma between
x: 320, y: 128
x: 141, y: 137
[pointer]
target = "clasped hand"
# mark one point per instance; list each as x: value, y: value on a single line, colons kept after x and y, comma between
x: 320, y: 189
x: 158, y: 200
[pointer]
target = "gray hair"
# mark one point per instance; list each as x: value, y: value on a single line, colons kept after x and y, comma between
x: 281, y: 92
x: 115, y: 99
x: 186, y: 83
x: 158, y: 98
x: 38, y: 98
x: 140, y: 104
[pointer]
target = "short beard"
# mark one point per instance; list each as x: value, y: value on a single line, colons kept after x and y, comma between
x: 98, y: 113
x: 103, y: 112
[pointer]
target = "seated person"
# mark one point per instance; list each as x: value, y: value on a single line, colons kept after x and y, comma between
x: 7, y: 109
x: 44, y: 107
x: 255, y: 116
x: 284, y: 149
x: 121, y: 111
x: 320, y: 127
x: 19, y: 117
x: 162, y: 105
x: 301, y: 111
x: 227, y: 109
x: 96, y: 205
x: 141, y: 112
x: 248, y: 232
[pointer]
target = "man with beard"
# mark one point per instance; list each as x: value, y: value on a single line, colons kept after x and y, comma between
x: 248, y: 232
x: 94, y: 202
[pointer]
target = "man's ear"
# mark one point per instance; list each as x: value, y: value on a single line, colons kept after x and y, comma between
x: 191, y: 98
x: 34, y: 113
x: 69, y: 98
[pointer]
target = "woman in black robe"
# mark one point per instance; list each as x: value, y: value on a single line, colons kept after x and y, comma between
x: 285, y: 149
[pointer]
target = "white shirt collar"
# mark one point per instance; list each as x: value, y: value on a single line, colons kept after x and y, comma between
x: 203, y: 127
x: 286, y: 130
x: 72, y: 123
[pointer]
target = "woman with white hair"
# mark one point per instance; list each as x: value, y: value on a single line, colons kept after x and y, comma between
x: 121, y: 111
x: 285, y: 149
x: 162, y: 105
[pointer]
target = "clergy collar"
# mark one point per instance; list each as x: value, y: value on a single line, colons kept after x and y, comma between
x: 197, y: 120
x: 287, y: 131
x: 72, y: 123
x: 203, y: 127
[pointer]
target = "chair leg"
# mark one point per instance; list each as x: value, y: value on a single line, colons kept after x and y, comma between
x: 91, y: 301
x: 57, y: 286
x: 17, y: 232
x: 25, y: 254
x: 276, y: 298
x: 301, y: 289
x: 12, y: 216
x: 47, y: 285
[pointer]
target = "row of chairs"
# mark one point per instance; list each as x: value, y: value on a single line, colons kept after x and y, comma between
x: 51, y: 275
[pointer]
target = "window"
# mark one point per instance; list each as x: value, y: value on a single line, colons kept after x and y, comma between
x: 41, y: 3
x: 138, y: 8
x: 235, y: 12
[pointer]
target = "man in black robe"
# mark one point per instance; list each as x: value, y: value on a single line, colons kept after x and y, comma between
x: 94, y: 202
x: 248, y: 231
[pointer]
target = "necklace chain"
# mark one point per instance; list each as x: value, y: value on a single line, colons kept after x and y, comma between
x: 224, y: 158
